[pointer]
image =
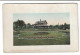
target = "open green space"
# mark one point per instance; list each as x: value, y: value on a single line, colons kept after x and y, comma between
x: 59, y: 37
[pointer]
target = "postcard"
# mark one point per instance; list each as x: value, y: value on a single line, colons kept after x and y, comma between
x: 40, y: 27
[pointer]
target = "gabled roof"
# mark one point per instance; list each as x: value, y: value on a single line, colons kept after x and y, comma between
x: 41, y: 22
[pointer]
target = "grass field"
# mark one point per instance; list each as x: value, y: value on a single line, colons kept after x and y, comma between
x: 46, y: 37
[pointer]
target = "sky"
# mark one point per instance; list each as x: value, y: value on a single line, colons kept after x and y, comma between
x: 51, y: 18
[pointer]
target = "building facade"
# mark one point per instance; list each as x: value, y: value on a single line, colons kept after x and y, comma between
x: 41, y: 24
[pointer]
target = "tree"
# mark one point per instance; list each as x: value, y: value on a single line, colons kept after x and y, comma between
x: 61, y: 26
x: 51, y: 26
x: 56, y: 26
x: 19, y: 24
x: 66, y: 26
x: 28, y: 25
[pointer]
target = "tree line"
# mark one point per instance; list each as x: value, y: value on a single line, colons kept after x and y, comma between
x: 20, y: 24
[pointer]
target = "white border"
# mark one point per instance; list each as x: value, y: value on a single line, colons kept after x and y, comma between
x: 1, y: 31
x: 72, y: 47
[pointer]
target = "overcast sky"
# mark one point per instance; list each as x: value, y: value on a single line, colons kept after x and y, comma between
x: 51, y: 18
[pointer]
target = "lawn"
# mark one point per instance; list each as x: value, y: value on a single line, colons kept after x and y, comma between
x: 61, y: 37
